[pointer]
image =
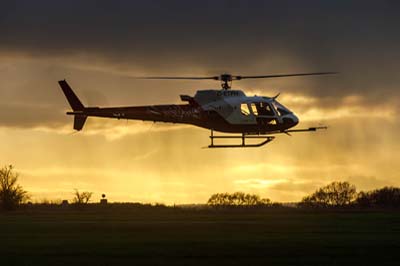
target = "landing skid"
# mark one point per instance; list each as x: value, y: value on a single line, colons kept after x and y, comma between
x: 243, y: 144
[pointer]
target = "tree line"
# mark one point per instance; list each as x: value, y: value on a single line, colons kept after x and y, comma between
x: 344, y: 194
x: 333, y: 195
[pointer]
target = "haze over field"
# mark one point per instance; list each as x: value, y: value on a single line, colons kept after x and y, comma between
x: 96, y: 45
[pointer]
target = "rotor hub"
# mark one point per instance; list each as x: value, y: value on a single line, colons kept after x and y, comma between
x: 226, y: 81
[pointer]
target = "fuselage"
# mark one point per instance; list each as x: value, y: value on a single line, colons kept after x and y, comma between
x: 228, y: 111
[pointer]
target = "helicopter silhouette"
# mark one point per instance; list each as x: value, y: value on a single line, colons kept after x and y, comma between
x: 224, y: 110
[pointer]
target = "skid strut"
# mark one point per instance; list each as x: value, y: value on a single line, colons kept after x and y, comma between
x: 243, y: 144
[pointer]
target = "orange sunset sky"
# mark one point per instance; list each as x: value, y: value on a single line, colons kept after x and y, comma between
x: 97, y: 45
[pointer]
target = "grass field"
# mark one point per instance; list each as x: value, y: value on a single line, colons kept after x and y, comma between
x: 168, y: 236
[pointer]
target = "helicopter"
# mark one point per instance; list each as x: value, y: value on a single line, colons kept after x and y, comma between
x: 224, y: 110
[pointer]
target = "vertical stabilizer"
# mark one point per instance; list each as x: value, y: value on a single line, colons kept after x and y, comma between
x: 73, y: 100
x: 76, y: 105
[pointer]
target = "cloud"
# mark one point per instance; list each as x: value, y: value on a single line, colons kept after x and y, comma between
x: 30, y: 116
x: 298, y: 186
x: 257, y: 183
x: 251, y: 38
x: 370, y: 182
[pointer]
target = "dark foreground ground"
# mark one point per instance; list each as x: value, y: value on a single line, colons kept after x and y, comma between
x: 159, y: 236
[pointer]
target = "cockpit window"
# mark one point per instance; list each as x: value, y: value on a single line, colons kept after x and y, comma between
x: 282, y: 110
x: 262, y: 109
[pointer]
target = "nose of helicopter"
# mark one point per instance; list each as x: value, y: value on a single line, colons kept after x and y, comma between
x: 290, y: 121
x: 295, y: 120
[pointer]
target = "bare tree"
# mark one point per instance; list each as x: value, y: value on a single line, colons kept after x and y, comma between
x: 11, y: 194
x: 82, y: 197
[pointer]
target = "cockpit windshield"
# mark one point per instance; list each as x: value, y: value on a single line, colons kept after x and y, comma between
x: 282, y: 110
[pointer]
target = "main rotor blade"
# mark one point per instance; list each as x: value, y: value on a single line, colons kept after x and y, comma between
x: 228, y: 77
x: 213, y: 78
x: 283, y: 75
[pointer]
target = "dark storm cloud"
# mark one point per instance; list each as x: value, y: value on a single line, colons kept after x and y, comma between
x: 358, y: 38
x: 221, y: 34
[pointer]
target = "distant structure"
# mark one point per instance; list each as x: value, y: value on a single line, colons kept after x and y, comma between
x: 103, y: 201
x: 64, y: 203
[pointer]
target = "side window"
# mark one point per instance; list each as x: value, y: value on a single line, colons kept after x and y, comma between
x: 254, y: 109
x: 244, y: 108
